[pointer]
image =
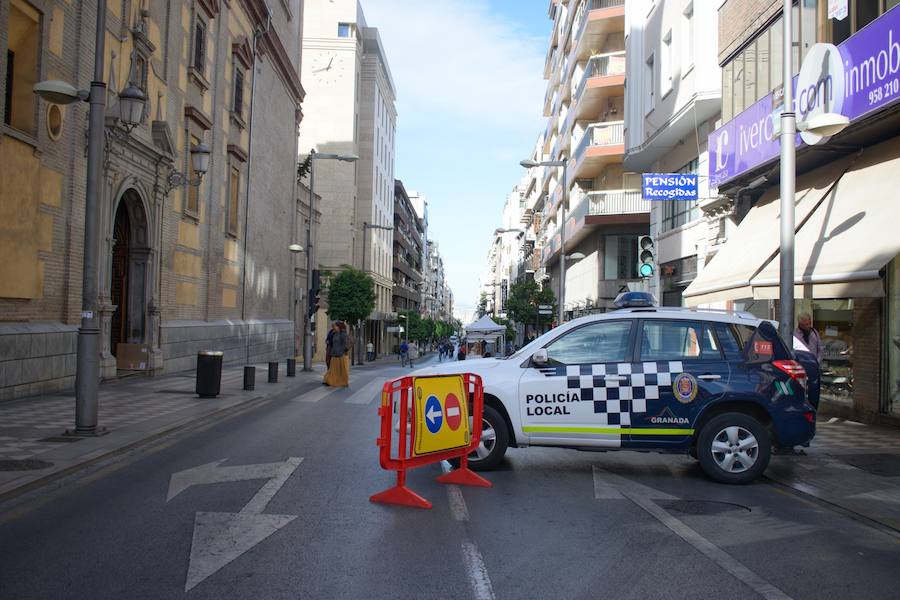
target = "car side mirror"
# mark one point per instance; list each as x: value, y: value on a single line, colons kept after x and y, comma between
x: 540, y: 357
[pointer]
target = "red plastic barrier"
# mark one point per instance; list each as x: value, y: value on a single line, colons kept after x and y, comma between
x: 397, y: 395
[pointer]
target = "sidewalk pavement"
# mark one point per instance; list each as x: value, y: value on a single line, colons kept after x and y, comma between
x: 135, y: 410
x: 850, y: 465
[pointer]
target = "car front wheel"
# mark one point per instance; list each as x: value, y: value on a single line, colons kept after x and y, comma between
x: 494, y: 441
x: 734, y: 448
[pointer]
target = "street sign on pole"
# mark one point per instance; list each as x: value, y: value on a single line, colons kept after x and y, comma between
x: 545, y: 307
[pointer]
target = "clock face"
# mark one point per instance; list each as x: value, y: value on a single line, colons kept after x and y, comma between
x: 327, y: 67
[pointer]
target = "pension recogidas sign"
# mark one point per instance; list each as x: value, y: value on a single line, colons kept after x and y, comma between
x: 855, y: 78
x: 669, y: 186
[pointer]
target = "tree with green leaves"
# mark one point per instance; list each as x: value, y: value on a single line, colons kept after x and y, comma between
x: 351, y: 298
x: 523, y: 301
x: 482, y: 304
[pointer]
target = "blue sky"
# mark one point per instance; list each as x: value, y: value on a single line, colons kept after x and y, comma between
x: 469, y: 91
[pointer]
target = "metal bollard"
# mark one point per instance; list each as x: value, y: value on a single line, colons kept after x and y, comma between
x: 292, y: 367
x: 249, y: 378
x: 273, y: 372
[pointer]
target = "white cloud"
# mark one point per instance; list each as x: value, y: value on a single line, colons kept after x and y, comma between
x: 460, y: 59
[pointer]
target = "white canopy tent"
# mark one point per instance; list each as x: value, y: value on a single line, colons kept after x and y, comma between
x: 485, y: 329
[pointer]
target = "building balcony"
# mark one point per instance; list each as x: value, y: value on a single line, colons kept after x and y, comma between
x: 603, y: 203
x: 406, y: 292
x: 603, y: 78
x: 595, y: 23
x: 549, y: 134
x: 592, y: 209
x: 601, y: 144
x: 402, y: 265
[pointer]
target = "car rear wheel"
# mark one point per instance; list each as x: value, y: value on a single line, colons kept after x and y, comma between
x: 494, y: 441
x: 734, y: 448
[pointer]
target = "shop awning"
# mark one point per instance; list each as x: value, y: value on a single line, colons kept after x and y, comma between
x: 729, y: 274
x: 850, y: 236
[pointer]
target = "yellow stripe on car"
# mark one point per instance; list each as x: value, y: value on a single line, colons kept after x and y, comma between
x: 610, y: 430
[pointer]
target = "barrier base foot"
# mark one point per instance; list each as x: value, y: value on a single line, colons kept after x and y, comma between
x: 401, y: 495
x: 464, y: 476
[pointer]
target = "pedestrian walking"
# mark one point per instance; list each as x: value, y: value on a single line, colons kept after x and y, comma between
x: 404, y: 353
x: 328, y: 338
x: 461, y: 355
x: 338, y: 374
x: 370, y: 352
x: 807, y: 334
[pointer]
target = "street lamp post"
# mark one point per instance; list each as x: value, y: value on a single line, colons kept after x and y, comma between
x: 132, y: 103
x: 529, y: 164
x: 307, y: 320
x: 820, y: 126
x: 295, y: 249
x: 788, y: 177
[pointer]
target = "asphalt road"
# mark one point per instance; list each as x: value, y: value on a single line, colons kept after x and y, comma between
x: 556, y: 524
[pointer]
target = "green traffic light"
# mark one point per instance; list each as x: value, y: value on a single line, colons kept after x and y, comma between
x: 645, y: 270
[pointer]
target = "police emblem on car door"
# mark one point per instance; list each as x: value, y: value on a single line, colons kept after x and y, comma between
x: 683, y: 363
x: 582, y: 395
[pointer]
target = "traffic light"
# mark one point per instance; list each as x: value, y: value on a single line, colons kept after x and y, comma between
x: 646, y: 257
x: 315, y: 290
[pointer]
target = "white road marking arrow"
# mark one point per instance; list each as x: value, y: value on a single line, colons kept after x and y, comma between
x: 433, y: 414
x: 219, y: 538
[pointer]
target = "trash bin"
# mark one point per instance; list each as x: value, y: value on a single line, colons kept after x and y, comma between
x: 209, y: 373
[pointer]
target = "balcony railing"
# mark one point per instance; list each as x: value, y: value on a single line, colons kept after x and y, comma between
x: 609, y: 133
x: 616, y: 202
x: 601, y: 65
x: 590, y: 5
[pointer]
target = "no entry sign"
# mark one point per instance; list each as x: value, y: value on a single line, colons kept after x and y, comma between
x: 452, y: 412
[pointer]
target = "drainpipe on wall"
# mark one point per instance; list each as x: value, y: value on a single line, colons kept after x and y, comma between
x: 256, y: 35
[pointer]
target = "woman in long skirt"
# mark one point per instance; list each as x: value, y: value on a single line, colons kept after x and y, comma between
x: 338, y: 374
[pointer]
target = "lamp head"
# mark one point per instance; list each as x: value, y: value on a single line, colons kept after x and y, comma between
x: 131, y: 105
x: 529, y: 164
x: 59, y: 92
x: 200, y: 158
x: 295, y: 248
x: 825, y: 124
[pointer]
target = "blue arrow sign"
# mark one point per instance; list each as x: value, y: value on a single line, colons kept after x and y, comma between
x: 434, y: 415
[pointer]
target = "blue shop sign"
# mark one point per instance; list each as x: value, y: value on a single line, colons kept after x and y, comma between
x: 669, y: 186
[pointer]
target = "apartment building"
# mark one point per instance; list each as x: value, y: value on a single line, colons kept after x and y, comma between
x: 187, y: 263
x: 599, y: 200
x: 351, y: 111
x: 672, y: 103
x: 408, y: 252
x: 847, y: 267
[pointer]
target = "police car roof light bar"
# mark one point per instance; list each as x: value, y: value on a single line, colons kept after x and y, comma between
x: 635, y: 300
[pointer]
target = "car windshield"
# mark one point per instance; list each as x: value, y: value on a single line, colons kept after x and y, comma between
x: 533, y: 345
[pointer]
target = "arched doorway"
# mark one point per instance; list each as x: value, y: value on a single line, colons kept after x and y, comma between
x: 128, y: 272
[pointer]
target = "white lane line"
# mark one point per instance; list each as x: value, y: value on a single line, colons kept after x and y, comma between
x: 457, y: 503
x: 367, y: 393
x: 474, y: 563
x: 608, y: 486
x: 708, y: 549
x: 318, y: 394
x: 478, y: 576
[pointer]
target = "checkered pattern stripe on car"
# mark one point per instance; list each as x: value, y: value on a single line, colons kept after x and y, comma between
x: 617, y: 389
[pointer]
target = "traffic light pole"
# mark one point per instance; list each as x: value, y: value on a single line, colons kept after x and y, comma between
x: 307, y: 319
x: 562, y: 247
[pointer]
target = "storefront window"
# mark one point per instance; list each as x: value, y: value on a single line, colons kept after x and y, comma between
x: 833, y: 320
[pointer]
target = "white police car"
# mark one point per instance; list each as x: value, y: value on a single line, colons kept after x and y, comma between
x: 720, y: 386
